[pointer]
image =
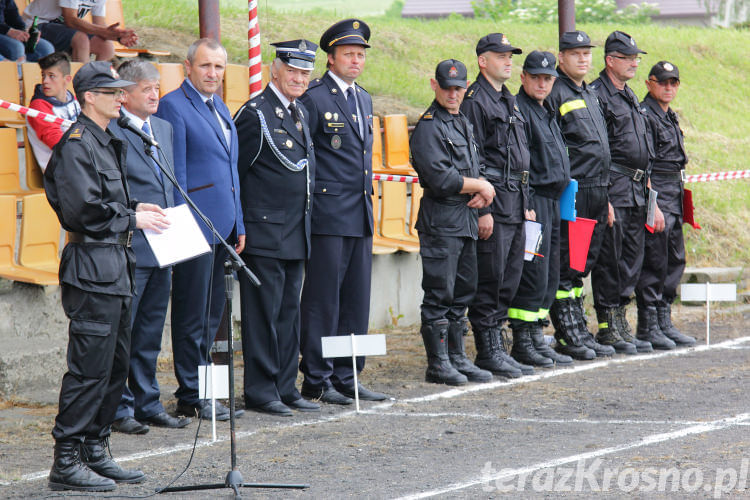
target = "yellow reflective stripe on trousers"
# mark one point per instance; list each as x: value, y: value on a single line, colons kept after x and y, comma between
x: 564, y: 294
x: 542, y: 313
x: 577, y: 291
x: 569, y: 106
x: 603, y: 325
x: 522, y: 315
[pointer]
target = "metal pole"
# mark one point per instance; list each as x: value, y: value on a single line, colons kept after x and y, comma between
x: 209, y: 19
x: 566, y: 15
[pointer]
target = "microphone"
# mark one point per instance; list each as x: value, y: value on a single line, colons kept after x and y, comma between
x: 124, y: 122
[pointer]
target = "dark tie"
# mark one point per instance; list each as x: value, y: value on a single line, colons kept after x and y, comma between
x: 147, y: 130
x: 212, y: 108
x: 351, y: 99
x: 295, y: 116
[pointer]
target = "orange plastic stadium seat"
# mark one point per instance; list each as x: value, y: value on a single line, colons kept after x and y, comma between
x: 8, y: 268
x: 114, y: 14
x: 21, y: 4
x: 74, y: 67
x: 34, y: 175
x: 171, y: 77
x: 396, y: 139
x: 407, y: 245
x: 377, y: 145
x: 236, y: 86
x: 31, y: 75
x: 416, y: 199
x: 40, y: 235
x: 10, y: 177
x: 393, y: 221
x: 9, y: 91
x: 380, y: 246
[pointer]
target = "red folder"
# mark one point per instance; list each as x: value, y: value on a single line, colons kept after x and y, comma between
x: 688, y: 208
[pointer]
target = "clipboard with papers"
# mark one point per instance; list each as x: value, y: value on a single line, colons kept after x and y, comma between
x: 181, y: 241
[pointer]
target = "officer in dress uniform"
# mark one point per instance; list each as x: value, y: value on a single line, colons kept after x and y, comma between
x: 548, y: 176
x: 446, y: 158
x: 86, y: 185
x: 336, y: 292
x: 619, y: 267
x: 664, y: 259
x: 498, y: 129
x: 276, y: 167
x: 582, y: 125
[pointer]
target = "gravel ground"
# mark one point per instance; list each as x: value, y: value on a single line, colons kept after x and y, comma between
x: 651, y: 426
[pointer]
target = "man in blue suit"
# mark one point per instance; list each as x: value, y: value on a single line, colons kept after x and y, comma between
x: 336, y: 293
x: 205, y: 164
x: 140, y: 403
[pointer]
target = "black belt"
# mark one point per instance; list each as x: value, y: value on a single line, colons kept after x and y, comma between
x: 123, y: 239
x: 523, y: 177
x: 636, y: 175
x: 589, y: 182
x: 672, y: 176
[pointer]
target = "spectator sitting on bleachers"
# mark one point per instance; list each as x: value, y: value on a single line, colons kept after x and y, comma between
x: 13, y: 36
x: 51, y: 97
x: 62, y: 23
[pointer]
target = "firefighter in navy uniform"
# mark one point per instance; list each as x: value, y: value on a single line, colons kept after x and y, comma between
x: 548, y: 176
x: 86, y: 185
x: 445, y: 156
x: 498, y: 129
x: 619, y: 266
x: 585, y: 133
x: 664, y: 259
x: 336, y: 291
x: 276, y: 169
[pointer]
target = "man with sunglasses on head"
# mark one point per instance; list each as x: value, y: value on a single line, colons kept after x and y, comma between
x: 619, y: 267
x: 664, y: 257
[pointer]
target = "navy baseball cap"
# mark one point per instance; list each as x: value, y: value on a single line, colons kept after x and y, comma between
x: 575, y: 40
x: 298, y: 54
x: 451, y: 73
x: 664, y: 70
x: 623, y: 43
x: 97, y: 75
x: 538, y: 62
x: 496, y: 42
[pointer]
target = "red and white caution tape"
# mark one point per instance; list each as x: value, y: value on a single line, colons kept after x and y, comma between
x: 395, y: 178
x: 719, y: 176
x: 35, y: 113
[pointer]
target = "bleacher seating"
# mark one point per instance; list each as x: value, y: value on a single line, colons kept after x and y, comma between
x: 40, y: 235
x: 10, y: 176
x: 8, y: 268
x: 9, y: 91
x: 34, y: 175
x: 171, y: 77
x: 396, y: 139
x: 114, y: 15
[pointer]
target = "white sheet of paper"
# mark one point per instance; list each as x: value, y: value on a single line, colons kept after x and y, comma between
x: 651, y: 213
x: 183, y: 240
x: 533, y: 239
x: 217, y: 384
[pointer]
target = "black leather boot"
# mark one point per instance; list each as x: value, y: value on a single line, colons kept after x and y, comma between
x: 664, y: 316
x: 457, y: 330
x: 95, y: 456
x: 523, y: 347
x: 541, y: 346
x: 626, y: 333
x: 69, y: 473
x: 648, y: 329
x: 501, y: 334
x: 566, y: 331
x: 609, y: 334
x: 489, y: 354
x: 587, y: 338
x: 439, y: 368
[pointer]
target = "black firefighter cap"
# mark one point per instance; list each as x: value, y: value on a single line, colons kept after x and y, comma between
x: 623, y: 43
x: 538, y: 62
x: 97, y: 75
x: 346, y: 32
x: 664, y: 70
x: 496, y: 42
x: 575, y: 40
x: 298, y: 54
x: 451, y: 73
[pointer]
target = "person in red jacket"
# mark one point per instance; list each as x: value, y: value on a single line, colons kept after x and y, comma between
x: 52, y: 97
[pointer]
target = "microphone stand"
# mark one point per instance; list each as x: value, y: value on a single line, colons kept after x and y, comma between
x: 234, y: 263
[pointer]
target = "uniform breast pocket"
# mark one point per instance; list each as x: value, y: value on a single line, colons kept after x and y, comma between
x: 283, y: 141
x: 622, y: 122
x: 324, y: 187
x: 111, y: 177
x: 264, y: 227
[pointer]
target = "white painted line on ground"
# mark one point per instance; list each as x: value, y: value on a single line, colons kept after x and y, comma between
x: 479, y: 416
x: 715, y: 425
x: 452, y: 393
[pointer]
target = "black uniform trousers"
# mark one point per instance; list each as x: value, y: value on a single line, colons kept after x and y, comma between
x: 270, y: 329
x: 616, y: 273
x: 335, y: 301
x: 140, y: 398
x: 663, y: 263
x: 98, y: 356
x: 449, y: 276
x: 591, y: 203
x: 540, y: 276
x: 198, y: 302
x: 499, y: 272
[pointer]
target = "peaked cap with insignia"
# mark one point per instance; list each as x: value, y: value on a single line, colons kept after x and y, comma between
x: 298, y: 54
x: 346, y: 32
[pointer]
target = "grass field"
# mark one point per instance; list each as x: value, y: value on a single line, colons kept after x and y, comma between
x: 714, y: 99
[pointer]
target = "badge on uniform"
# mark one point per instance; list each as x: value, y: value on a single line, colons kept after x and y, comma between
x: 336, y: 142
x: 289, y: 143
x: 327, y: 115
x: 279, y: 112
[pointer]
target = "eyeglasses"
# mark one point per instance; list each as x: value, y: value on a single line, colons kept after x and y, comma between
x: 628, y: 58
x: 117, y: 93
x: 666, y: 83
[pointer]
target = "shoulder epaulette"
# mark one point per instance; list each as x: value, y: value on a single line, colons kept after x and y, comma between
x: 360, y: 87
x: 75, y: 133
x: 315, y: 83
x: 427, y: 115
